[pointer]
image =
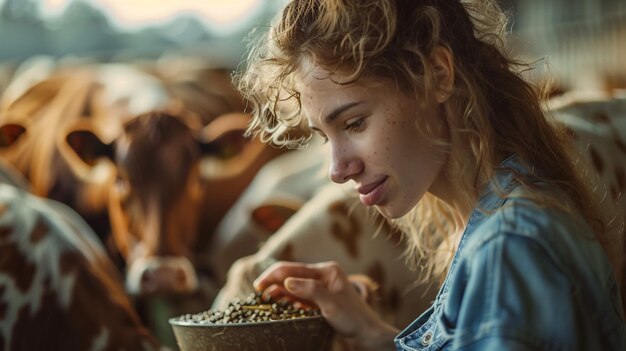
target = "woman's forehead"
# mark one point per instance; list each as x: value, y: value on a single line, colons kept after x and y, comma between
x: 317, y: 79
x: 311, y: 77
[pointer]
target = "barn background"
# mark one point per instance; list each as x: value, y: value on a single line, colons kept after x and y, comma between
x: 578, y: 44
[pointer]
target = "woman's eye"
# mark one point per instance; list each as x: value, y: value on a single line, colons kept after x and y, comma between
x: 355, y: 125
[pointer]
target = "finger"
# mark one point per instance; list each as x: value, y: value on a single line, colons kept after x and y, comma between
x: 274, y: 292
x: 305, y: 305
x: 333, y: 276
x: 288, y: 300
x: 277, y: 273
x: 315, y: 292
x: 279, y: 294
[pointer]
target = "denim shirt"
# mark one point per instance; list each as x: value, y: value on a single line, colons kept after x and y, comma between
x: 524, y: 277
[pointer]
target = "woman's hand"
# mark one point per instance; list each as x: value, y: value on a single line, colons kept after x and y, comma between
x: 326, y: 286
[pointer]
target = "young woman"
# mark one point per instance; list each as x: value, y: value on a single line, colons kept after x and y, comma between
x: 424, y: 113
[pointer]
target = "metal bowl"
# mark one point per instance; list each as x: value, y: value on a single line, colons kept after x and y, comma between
x: 299, y: 334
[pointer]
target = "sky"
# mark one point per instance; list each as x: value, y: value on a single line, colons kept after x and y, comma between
x: 132, y: 14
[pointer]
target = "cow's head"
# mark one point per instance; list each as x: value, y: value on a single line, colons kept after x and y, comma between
x: 67, y: 134
x: 155, y: 206
x: 171, y: 178
x: 33, y: 125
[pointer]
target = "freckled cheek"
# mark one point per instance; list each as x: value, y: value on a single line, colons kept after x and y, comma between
x: 382, y: 152
x: 391, y: 121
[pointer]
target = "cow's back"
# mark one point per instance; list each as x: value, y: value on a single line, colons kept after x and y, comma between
x: 58, y: 290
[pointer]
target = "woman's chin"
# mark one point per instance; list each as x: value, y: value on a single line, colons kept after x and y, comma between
x: 390, y: 212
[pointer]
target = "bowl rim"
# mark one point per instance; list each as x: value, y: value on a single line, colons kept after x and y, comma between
x: 174, y: 321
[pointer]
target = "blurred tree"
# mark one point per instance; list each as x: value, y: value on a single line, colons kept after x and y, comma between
x: 22, y: 32
x: 20, y: 9
x: 83, y: 30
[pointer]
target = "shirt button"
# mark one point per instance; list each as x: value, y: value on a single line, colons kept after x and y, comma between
x: 428, y: 337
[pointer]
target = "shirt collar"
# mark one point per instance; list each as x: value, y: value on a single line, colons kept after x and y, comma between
x: 491, y: 199
x: 501, y: 185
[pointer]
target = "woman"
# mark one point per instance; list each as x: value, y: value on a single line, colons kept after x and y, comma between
x: 428, y: 118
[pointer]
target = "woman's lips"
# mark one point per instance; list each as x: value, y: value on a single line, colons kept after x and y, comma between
x: 372, y: 194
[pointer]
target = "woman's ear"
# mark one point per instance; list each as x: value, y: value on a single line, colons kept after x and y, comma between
x: 443, y: 64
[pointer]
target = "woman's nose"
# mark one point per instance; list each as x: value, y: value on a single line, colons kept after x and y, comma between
x: 344, y: 167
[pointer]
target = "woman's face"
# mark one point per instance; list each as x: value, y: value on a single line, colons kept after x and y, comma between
x: 371, y: 129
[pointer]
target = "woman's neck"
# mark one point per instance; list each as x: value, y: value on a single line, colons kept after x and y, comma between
x: 445, y: 188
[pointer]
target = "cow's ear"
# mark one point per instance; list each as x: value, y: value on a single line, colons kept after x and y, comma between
x: 225, y: 146
x: 207, y: 148
x: 270, y: 216
x: 89, y: 147
x: 224, y: 136
x: 10, y: 133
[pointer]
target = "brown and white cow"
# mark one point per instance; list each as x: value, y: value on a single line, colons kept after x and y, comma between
x: 58, y: 289
x: 61, y: 146
x: 172, y: 189
x: 56, y: 131
x: 39, y: 112
x: 597, y: 120
x: 162, y: 207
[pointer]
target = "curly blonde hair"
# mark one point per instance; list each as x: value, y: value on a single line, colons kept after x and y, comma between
x: 492, y: 110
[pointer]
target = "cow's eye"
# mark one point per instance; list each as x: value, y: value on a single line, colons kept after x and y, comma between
x: 230, y: 144
x: 227, y: 151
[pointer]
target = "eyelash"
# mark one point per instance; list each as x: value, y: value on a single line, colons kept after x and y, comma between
x: 353, y: 127
x: 356, y: 126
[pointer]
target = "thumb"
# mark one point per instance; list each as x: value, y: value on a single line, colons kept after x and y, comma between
x: 301, y: 287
